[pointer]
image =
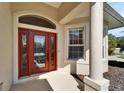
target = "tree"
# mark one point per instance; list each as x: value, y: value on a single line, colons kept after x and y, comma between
x: 112, y: 43
x: 120, y: 43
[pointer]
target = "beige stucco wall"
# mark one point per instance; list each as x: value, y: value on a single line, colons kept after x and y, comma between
x: 60, y: 41
x: 41, y: 8
x: 79, y: 20
x: 5, y: 45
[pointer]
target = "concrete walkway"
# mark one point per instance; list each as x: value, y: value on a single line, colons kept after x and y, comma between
x: 59, y: 80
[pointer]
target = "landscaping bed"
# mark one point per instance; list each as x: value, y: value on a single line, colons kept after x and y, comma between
x: 116, y: 77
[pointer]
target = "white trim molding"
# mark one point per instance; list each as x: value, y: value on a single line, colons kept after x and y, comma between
x: 15, y: 36
x: 36, y: 28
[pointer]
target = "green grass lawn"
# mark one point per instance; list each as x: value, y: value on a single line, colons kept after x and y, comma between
x: 121, y: 56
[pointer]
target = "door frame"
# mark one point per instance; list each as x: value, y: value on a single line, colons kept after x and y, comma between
x: 29, y: 71
x: 16, y: 24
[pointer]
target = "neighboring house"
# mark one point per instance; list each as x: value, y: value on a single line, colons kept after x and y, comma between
x: 41, y: 37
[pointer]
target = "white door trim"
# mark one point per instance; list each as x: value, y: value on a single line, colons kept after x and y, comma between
x: 36, y: 28
x: 15, y: 36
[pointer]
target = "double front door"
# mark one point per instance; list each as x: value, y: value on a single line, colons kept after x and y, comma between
x: 37, y: 51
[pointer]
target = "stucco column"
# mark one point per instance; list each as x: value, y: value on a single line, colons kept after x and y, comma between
x: 96, y: 80
x: 96, y: 71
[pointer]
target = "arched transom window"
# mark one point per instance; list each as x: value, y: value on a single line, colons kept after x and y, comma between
x: 37, y: 21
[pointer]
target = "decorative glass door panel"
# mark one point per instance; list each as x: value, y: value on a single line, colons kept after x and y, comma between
x: 39, y: 51
x: 24, y: 51
x: 52, y: 51
x: 23, y: 56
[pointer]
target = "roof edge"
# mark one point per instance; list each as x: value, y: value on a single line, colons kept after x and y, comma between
x: 113, y: 13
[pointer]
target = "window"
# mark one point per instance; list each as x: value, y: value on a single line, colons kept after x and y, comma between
x: 36, y: 21
x: 76, y: 43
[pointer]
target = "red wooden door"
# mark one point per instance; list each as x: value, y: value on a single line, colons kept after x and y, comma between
x: 37, y: 51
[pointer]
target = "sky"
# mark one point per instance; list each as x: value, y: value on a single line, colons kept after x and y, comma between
x: 119, y: 7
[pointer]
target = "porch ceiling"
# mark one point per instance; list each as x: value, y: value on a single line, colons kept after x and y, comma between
x: 114, y: 19
x: 67, y: 11
x: 71, y: 10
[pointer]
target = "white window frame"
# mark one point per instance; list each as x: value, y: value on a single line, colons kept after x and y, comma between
x: 67, y: 27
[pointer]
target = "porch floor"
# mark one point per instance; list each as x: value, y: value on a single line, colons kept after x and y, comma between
x: 32, y: 85
x: 52, y: 81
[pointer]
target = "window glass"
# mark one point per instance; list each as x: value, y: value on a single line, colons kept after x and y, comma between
x: 24, y: 51
x: 52, y: 50
x: 39, y: 51
x: 37, y: 21
x: 76, y: 43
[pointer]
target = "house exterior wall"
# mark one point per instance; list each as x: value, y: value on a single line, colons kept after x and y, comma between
x: 80, y: 20
x: 5, y: 46
x: 23, y: 9
x: 48, y: 12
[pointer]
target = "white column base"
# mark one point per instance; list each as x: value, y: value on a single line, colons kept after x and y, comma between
x: 95, y: 85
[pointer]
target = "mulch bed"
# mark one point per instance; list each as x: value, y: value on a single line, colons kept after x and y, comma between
x: 116, y: 77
